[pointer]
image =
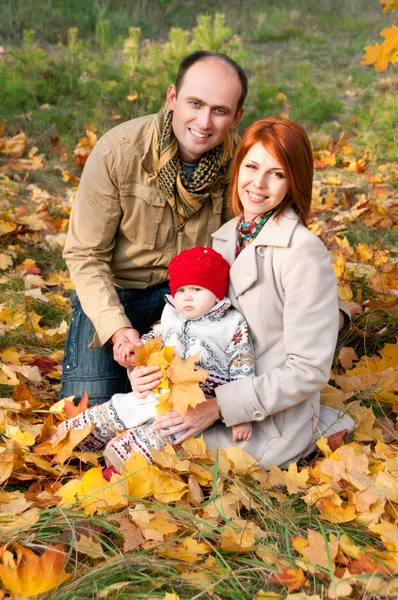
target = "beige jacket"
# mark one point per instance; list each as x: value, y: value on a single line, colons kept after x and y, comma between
x: 122, y: 231
x: 284, y: 285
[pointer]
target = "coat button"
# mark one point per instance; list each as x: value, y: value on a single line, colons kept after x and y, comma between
x: 260, y: 250
x: 258, y: 415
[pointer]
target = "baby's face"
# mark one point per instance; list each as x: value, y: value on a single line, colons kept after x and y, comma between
x: 194, y: 301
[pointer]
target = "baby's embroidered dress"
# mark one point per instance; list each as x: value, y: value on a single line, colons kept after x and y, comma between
x: 220, y: 337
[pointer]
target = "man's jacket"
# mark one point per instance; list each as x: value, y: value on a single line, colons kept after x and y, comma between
x: 122, y: 230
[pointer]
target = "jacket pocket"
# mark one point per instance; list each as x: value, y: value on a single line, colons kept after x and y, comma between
x: 143, y: 209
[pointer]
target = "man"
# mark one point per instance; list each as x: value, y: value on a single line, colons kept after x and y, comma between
x: 152, y: 187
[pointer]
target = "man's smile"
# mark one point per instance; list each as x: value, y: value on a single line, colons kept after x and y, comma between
x: 199, y: 135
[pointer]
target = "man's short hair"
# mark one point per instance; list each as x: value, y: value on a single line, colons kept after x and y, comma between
x: 195, y: 57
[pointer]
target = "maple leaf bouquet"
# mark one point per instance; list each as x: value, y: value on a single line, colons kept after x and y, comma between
x: 179, y: 388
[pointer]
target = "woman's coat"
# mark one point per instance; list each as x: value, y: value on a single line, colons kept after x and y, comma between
x: 284, y: 285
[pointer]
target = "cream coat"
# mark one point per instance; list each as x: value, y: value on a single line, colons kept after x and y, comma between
x: 284, y: 285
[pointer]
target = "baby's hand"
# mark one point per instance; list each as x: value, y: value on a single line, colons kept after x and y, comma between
x: 242, y: 432
x: 126, y: 351
x: 144, y: 379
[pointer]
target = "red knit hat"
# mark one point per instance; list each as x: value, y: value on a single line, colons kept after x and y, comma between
x: 200, y: 266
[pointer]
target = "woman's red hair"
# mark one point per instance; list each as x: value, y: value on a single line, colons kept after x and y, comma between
x: 287, y: 142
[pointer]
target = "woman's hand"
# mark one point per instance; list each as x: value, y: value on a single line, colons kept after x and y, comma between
x: 144, y: 379
x: 194, y: 421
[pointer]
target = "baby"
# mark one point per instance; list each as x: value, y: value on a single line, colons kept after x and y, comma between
x: 198, y: 319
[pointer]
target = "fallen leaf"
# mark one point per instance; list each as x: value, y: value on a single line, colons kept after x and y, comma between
x: 292, y: 579
x: 34, y: 574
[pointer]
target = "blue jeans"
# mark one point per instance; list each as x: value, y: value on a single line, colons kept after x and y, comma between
x: 93, y: 369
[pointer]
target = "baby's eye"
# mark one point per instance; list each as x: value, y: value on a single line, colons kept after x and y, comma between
x: 180, y: 291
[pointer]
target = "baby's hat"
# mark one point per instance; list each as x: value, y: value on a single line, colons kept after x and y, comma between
x: 200, y: 266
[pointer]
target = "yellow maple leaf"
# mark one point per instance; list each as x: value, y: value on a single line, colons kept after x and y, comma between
x: 162, y: 359
x: 139, y: 482
x: 168, y: 459
x: 349, y: 548
x: 238, y: 541
x: 189, y: 550
x: 380, y: 55
x: 336, y: 514
x: 391, y: 39
x: 345, y: 292
x: 95, y: 493
x: 195, y: 448
x: 6, y: 227
x: 389, y: 5
x: 185, y: 378
x: 32, y: 574
x: 167, y: 487
x: 242, y: 462
x: 164, y: 404
x: 24, y: 438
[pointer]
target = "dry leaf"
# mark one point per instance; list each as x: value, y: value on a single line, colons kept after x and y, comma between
x: 34, y: 574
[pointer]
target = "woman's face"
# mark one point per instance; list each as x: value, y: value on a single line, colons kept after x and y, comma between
x: 262, y: 183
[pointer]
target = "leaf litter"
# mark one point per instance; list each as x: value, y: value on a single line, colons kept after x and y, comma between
x: 198, y: 512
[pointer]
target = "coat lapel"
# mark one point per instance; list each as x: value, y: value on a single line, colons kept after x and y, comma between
x: 243, y: 272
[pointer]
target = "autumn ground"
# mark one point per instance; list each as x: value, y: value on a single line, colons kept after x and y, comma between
x: 200, y: 524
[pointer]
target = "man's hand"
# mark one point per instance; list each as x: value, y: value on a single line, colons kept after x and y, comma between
x: 123, y: 336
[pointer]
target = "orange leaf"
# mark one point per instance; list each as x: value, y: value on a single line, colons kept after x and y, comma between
x: 142, y: 353
x: 32, y: 574
x: 71, y: 410
x: 292, y: 579
x: 62, y: 446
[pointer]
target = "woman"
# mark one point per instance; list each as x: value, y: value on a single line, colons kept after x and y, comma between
x: 282, y: 280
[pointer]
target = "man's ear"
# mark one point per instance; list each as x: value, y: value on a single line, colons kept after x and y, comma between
x: 171, y: 96
x: 238, y: 117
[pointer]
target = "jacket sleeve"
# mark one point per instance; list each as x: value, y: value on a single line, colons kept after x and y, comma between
x: 155, y: 332
x: 240, y: 353
x: 95, y: 217
x: 309, y: 329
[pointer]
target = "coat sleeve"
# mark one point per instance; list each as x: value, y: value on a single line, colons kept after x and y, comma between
x: 95, y: 217
x: 239, y: 352
x: 309, y: 329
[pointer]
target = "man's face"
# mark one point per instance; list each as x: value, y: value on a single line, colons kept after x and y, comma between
x: 205, y: 108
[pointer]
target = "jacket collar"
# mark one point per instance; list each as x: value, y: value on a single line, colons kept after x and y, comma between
x: 277, y: 232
